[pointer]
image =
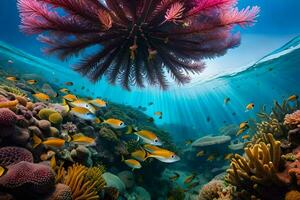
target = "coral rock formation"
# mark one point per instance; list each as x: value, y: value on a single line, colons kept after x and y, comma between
x: 27, y: 178
x: 14, y: 155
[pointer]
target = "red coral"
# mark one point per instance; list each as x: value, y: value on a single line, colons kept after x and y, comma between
x: 14, y: 155
x: 138, y: 40
x: 25, y: 177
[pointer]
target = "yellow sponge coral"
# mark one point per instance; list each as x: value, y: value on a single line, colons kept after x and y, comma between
x: 45, y: 113
x: 292, y: 195
x: 55, y: 118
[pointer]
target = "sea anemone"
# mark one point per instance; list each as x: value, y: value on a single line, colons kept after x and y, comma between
x: 137, y: 40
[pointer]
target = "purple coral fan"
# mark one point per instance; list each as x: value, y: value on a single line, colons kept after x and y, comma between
x: 138, y: 40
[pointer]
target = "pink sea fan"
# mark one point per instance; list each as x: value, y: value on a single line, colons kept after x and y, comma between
x: 139, y: 40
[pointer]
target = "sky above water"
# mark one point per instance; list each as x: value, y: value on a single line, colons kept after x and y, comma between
x: 277, y: 24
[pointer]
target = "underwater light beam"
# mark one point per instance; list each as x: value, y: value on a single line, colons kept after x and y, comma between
x: 140, y: 40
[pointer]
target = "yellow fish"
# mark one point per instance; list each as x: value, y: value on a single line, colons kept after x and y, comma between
x: 42, y: 97
x: 3, y: 171
x: 47, y: 155
x: 150, y: 148
x: 164, y: 155
x: 64, y: 90
x: 69, y: 83
x: 54, y: 142
x: 241, y: 131
x: 228, y: 156
x: 210, y: 158
x: 245, y: 137
x: 84, y: 140
x: 250, y: 106
x: 293, y: 98
x: 159, y: 114
x: 53, y: 162
x: 11, y: 78
x: 83, y: 113
x: 132, y: 163
x: 148, y: 137
x: 99, y: 103
x: 115, y: 123
x: 97, y: 120
x: 175, y: 177
x: 70, y: 97
x: 31, y: 82
x: 226, y: 100
x: 139, y: 155
x: 244, y: 125
x: 200, y: 154
x: 190, y: 178
x: 83, y: 104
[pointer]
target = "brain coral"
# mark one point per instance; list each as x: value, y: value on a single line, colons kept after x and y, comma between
x: 14, y: 155
x: 61, y: 192
x: 28, y: 177
x: 7, y: 117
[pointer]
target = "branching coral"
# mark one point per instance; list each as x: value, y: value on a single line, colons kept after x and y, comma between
x: 258, y: 169
x: 274, y: 122
x: 140, y: 39
x: 263, y: 173
x: 76, y: 178
x: 94, y: 174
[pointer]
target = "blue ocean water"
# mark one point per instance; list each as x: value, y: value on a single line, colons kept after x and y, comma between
x: 195, y: 110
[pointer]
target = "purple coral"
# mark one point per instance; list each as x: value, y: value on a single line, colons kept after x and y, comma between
x: 7, y: 117
x: 69, y: 127
x: 138, y: 40
x: 14, y: 155
x: 28, y: 177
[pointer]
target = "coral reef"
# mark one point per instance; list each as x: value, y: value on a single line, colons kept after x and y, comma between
x: 172, y: 35
x: 270, y: 166
x: 216, y: 190
x: 61, y: 192
x: 28, y: 179
x: 114, y: 181
x: 14, y: 155
x: 94, y: 174
x: 292, y: 119
x: 36, y: 135
x: 81, y: 187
